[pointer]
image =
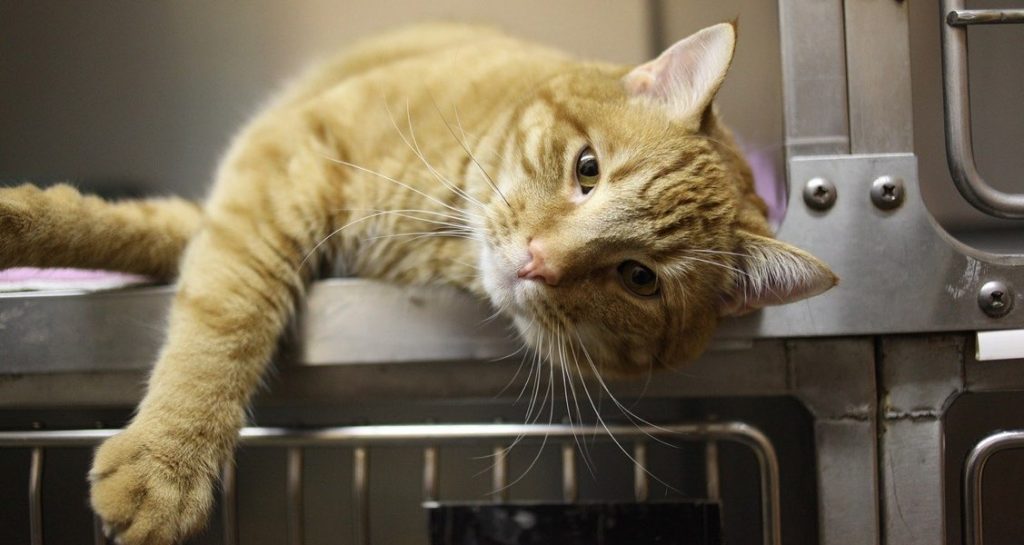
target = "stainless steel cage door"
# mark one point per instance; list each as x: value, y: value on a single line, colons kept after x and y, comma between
x: 957, y: 108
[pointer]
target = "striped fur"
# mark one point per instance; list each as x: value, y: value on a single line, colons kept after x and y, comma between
x: 432, y: 155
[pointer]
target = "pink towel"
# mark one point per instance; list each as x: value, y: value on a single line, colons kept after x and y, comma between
x: 30, y: 279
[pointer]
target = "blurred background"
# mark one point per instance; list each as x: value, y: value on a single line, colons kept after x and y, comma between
x: 142, y: 97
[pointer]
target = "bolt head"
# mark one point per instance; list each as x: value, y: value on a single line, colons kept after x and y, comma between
x: 996, y: 299
x: 819, y: 194
x: 887, y: 192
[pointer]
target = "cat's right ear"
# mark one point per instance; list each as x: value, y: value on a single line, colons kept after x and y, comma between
x: 771, y: 272
x: 685, y: 77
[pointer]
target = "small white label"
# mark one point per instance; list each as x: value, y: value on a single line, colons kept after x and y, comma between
x: 1000, y: 345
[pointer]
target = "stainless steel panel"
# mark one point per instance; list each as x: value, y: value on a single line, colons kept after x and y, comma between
x: 835, y: 379
x: 899, y: 272
x: 345, y: 321
x: 718, y: 372
x: 847, y: 469
x: 814, y: 77
x: 919, y: 377
x: 878, y: 74
x: 52, y: 331
x: 911, y: 471
x: 367, y: 322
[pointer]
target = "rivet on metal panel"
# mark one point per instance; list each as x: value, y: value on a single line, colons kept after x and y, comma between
x: 996, y: 299
x: 819, y: 193
x: 887, y: 192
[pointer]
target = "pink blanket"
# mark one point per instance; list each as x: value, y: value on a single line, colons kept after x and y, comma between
x: 29, y: 279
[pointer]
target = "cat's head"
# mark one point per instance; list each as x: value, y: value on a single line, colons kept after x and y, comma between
x: 629, y: 224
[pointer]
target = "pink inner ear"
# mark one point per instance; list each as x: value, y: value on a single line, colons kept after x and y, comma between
x: 774, y: 273
x: 686, y: 76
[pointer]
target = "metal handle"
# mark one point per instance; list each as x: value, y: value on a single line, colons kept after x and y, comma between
x: 957, y: 102
x: 974, y: 468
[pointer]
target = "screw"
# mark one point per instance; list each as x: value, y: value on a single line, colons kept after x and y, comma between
x: 887, y: 192
x: 995, y: 299
x: 819, y: 194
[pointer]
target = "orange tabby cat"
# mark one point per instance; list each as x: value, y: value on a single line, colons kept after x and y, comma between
x: 603, y: 209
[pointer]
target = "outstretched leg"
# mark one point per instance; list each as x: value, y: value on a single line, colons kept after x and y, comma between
x: 153, y: 483
x: 60, y: 227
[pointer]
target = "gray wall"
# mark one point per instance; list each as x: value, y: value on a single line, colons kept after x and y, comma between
x: 143, y: 96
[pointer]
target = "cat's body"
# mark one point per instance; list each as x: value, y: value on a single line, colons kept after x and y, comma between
x: 439, y: 154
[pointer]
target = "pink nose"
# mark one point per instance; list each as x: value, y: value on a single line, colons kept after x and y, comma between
x: 537, y: 268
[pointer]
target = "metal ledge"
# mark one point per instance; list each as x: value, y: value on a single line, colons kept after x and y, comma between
x: 345, y: 321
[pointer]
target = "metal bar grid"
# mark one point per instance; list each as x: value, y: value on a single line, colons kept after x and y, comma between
x: 974, y: 472
x: 361, y: 438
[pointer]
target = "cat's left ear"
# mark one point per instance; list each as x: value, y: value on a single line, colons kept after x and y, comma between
x: 770, y: 272
x: 686, y: 76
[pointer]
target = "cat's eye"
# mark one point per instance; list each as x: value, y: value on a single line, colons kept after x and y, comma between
x: 587, y: 171
x: 638, y: 279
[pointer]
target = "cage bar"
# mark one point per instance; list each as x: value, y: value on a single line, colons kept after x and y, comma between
x: 430, y: 474
x: 429, y: 436
x: 361, y: 494
x: 570, y: 489
x: 641, y: 487
x: 229, y: 503
x: 295, y: 496
x: 713, y: 488
x: 35, y: 497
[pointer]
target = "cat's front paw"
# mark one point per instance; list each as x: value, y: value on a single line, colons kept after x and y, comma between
x: 150, y: 490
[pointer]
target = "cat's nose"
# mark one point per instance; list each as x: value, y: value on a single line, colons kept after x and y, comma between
x: 537, y: 268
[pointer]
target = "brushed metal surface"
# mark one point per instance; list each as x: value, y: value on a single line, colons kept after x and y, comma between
x: 814, y: 77
x: 878, y: 74
x: 899, y: 271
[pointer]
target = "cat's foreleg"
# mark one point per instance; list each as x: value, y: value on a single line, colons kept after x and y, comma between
x: 153, y: 483
x: 60, y: 227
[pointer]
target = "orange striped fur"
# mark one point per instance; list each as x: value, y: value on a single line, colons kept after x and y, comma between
x: 437, y: 154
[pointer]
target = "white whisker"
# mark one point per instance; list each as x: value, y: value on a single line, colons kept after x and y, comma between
x: 483, y: 171
x: 608, y: 431
x: 399, y: 183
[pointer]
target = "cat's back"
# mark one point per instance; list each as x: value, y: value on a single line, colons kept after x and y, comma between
x: 453, y: 48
